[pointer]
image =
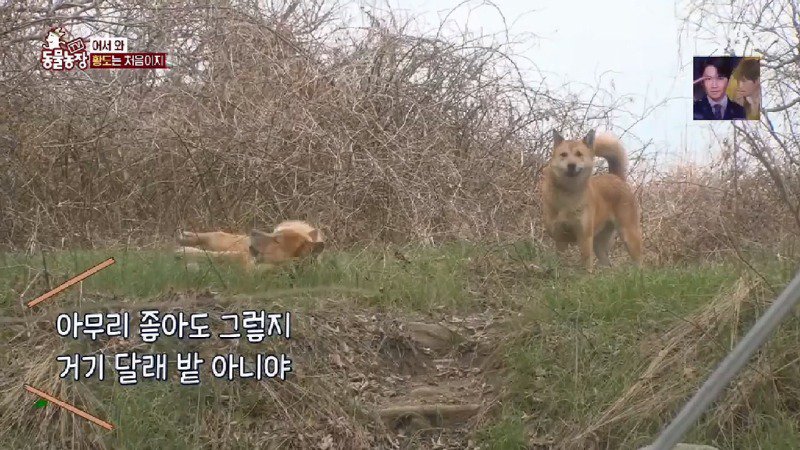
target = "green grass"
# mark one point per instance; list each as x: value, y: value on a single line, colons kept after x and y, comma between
x: 433, y: 278
x: 572, y: 344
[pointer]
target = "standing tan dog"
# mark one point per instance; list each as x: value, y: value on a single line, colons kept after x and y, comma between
x: 582, y: 208
x: 290, y: 240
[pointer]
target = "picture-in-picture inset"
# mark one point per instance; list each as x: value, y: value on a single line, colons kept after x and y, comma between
x: 727, y: 88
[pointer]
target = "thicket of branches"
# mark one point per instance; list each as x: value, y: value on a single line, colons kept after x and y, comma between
x: 378, y: 132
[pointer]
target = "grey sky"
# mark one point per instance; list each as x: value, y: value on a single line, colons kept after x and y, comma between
x: 630, y: 44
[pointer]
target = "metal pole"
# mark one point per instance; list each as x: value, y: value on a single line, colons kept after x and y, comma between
x: 730, y: 366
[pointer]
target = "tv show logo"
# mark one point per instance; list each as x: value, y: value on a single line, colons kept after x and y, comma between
x: 58, y: 53
x: 727, y: 88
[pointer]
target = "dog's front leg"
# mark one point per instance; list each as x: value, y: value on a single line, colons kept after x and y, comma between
x: 586, y: 243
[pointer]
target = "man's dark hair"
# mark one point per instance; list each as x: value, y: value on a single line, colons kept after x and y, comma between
x: 749, y: 69
x: 721, y: 64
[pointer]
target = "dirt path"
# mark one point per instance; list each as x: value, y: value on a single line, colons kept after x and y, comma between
x: 434, y: 402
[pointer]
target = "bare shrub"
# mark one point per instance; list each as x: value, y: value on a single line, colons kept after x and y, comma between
x: 379, y: 133
x: 692, y: 212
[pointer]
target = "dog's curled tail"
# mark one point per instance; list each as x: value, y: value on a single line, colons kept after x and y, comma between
x: 608, y: 147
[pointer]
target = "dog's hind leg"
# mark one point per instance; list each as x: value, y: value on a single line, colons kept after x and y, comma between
x: 193, y: 239
x: 630, y: 228
x: 602, y: 243
x: 632, y: 235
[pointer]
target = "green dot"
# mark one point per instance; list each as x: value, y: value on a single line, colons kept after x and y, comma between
x: 41, y: 403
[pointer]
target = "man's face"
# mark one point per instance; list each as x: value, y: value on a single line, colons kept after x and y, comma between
x: 714, y: 84
x: 747, y: 88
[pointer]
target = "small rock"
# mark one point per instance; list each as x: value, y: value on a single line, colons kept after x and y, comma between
x: 437, y: 415
x: 433, y: 336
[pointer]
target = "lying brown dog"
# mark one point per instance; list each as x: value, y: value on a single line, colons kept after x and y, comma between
x: 290, y: 240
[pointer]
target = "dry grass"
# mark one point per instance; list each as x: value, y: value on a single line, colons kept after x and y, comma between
x: 677, y: 363
x: 681, y: 358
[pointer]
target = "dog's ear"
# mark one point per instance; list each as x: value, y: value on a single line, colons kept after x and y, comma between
x: 314, y: 234
x: 557, y: 138
x: 589, y: 139
x: 316, y: 248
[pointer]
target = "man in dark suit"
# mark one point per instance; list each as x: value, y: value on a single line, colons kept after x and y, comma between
x: 716, y: 105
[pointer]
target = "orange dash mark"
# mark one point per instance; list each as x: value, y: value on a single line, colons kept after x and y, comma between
x: 76, y: 279
x: 69, y: 407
